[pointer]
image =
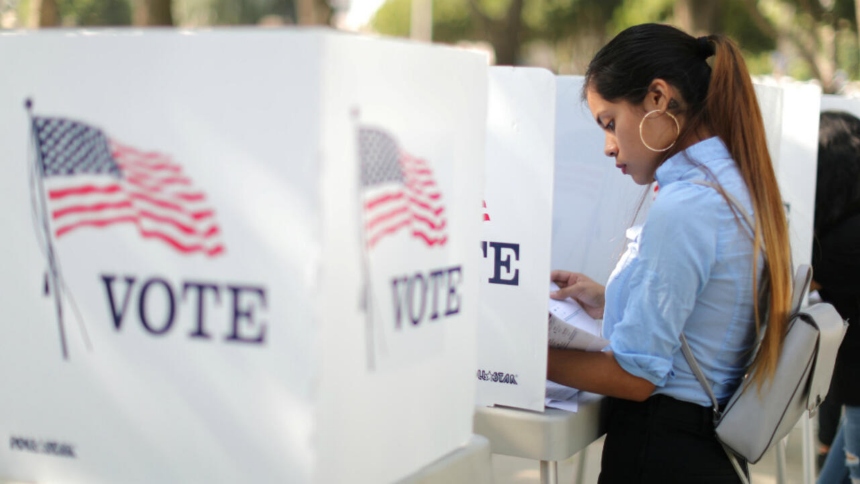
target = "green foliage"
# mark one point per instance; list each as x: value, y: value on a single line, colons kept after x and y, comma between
x: 392, y: 18
x: 848, y: 53
x: 249, y: 12
x: 635, y: 12
x: 85, y: 13
x: 453, y: 20
x: 96, y: 12
x: 564, y: 25
x: 844, y: 9
x: 562, y: 19
x: 194, y: 12
x: 737, y: 24
x: 23, y: 12
x: 759, y: 63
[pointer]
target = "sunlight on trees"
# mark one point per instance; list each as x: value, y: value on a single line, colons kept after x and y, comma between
x: 804, y: 39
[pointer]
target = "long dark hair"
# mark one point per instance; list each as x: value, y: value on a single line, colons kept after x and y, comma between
x: 837, y: 194
x: 721, y: 99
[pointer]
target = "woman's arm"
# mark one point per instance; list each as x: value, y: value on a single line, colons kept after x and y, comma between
x: 596, y: 372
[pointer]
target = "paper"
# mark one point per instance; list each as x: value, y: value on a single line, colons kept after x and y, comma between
x: 570, y: 327
x: 561, y: 397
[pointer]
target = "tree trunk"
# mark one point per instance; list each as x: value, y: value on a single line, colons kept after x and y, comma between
x: 313, y: 12
x: 699, y: 17
x: 505, y: 35
x: 152, y: 13
x: 44, y: 13
x: 857, y: 16
x: 421, y: 20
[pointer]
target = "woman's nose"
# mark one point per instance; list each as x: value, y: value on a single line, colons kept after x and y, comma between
x: 610, y: 148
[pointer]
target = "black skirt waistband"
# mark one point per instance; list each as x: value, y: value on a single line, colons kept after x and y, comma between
x: 664, y: 406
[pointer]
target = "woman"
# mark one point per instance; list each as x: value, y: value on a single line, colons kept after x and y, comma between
x: 694, y: 267
x: 836, y: 270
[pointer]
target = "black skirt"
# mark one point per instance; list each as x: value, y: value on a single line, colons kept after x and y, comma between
x: 663, y: 440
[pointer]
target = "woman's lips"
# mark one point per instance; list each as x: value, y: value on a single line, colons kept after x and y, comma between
x: 623, y: 168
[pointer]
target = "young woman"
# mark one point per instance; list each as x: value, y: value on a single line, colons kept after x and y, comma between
x: 836, y: 271
x: 694, y: 268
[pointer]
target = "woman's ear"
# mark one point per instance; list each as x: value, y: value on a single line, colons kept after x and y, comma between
x: 659, y: 95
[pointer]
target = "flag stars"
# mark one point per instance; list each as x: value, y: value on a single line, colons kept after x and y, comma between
x: 69, y: 147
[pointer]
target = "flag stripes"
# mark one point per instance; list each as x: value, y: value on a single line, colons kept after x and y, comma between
x: 121, y: 185
x: 400, y: 192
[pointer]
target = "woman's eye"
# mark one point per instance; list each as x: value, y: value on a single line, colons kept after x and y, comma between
x: 611, y: 125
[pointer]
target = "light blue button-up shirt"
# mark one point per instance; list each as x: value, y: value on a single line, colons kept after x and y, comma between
x: 688, y: 268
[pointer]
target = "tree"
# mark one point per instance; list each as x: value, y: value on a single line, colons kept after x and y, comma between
x: 251, y: 12
x: 819, y: 38
x: 815, y: 29
x: 818, y: 34
x: 698, y: 17
x: 43, y: 13
x: 508, y: 25
x: 314, y: 12
x: 97, y: 12
x: 505, y: 32
x: 152, y: 13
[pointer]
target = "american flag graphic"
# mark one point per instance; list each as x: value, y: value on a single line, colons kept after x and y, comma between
x: 399, y: 192
x: 90, y: 180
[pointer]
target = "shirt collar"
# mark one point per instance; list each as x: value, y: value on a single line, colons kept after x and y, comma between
x: 705, y: 152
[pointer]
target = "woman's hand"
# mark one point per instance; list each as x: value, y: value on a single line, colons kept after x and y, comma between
x: 589, y: 294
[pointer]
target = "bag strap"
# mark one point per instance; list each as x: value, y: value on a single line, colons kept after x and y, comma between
x: 700, y: 375
x: 732, y: 201
x: 685, y: 347
x: 802, y: 279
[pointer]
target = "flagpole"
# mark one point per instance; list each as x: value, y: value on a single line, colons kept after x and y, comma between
x: 46, y: 228
x: 367, y: 296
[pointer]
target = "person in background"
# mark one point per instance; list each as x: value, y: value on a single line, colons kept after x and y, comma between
x: 829, y: 414
x: 680, y: 110
x: 836, y: 275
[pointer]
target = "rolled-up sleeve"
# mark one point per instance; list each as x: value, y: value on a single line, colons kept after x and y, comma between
x: 676, y: 252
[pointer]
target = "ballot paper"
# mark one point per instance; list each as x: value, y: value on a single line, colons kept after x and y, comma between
x: 570, y: 327
x: 561, y: 397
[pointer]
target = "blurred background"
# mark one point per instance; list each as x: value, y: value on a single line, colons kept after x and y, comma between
x: 806, y: 40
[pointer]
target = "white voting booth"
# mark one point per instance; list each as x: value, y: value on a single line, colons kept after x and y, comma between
x: 594, y: 203
x: 791, y: 113
x: 515, y: 243
x: 571, y: 213
x: 833, y: 102
x: 236, y: 256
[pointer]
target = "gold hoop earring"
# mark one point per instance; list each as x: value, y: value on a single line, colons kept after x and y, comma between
x: 677, y: 129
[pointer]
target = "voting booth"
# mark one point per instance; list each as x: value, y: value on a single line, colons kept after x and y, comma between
x: 833, y: 102
x: 594, y: 203
x: 515, y: 243
x: 791, y: 115
x: 571, y: 212
x: 236, y: 256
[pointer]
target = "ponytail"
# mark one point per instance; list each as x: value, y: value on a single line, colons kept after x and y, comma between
x: 739, y: 124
